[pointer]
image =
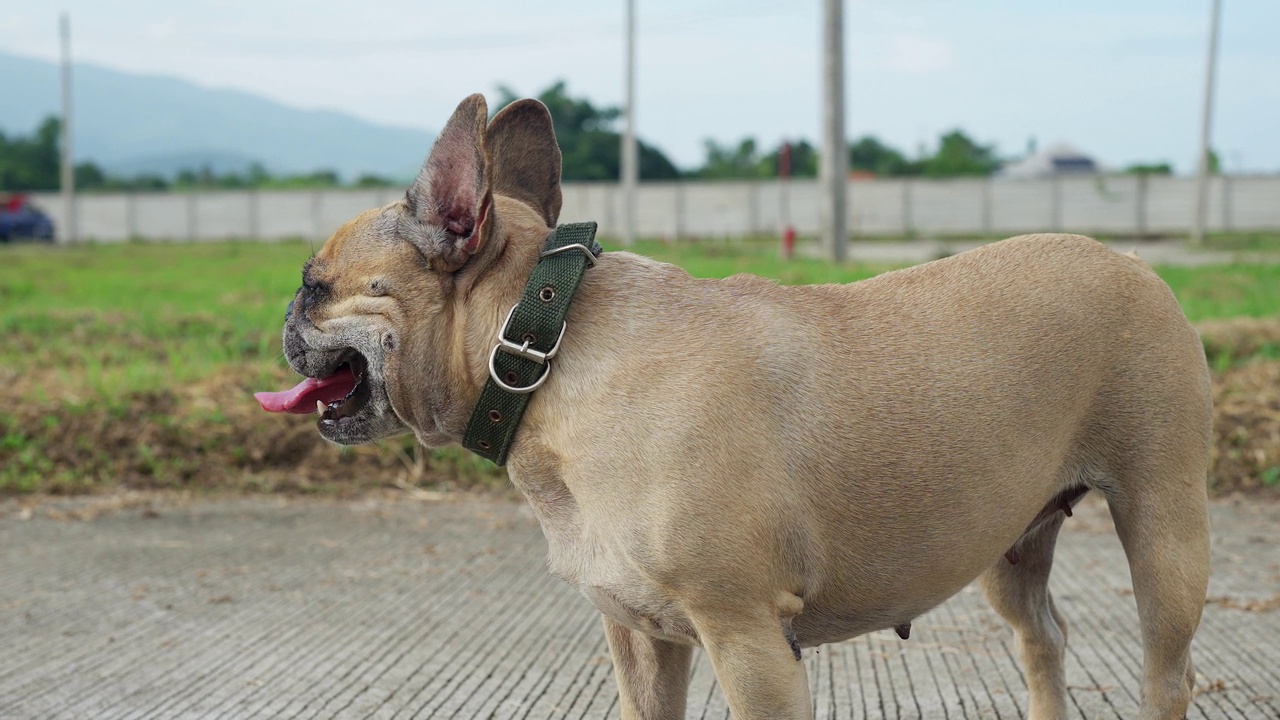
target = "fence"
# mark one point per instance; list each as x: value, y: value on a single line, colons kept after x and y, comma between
x: 1117, y: 204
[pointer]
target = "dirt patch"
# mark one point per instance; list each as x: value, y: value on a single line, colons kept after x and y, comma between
x: 1239, y: 338
x: 1246, y: 449
x: 207, y: 435
x: 211, y: 435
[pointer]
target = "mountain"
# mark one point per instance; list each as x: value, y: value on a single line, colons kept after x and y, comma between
x: 129, y: 123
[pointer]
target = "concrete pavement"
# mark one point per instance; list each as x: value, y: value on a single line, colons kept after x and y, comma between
x: 399, y: 608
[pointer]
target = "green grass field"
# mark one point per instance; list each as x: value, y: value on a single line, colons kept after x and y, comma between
x: 119, y: 318
x: 98, y: 338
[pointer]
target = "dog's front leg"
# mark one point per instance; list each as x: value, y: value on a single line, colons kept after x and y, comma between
x: 757, y: 666
x: 652, y: 674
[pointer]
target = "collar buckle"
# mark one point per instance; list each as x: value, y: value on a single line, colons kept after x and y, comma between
x: 522, y: 350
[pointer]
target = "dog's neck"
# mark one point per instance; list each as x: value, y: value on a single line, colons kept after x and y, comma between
x: 483, y: 296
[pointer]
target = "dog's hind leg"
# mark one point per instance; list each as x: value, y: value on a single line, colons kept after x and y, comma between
x: 652, y: 674
x: 1165, y: 533
x: 1020, y: 593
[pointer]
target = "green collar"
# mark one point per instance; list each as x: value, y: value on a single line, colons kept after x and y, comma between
x: 529, y: 339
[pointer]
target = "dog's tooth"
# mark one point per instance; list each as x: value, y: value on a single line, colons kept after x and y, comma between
x: 320, y: 406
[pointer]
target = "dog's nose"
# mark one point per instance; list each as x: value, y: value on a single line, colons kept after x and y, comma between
x: 288, y: 311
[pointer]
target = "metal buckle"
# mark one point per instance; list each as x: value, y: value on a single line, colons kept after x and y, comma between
x: 522, y: 351
x: 586, y: 252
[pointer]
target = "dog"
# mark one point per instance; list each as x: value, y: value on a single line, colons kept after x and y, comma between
x: 756, y: 469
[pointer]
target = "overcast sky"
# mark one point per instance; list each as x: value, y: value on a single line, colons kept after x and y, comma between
x: 1120, y: 80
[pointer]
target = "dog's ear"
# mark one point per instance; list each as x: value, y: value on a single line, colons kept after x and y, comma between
x: 523, y: 158
x: 449, y: 202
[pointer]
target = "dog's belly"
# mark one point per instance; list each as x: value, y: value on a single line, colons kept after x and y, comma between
x: 848, y: 617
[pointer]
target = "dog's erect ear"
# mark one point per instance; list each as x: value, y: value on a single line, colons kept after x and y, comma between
x: 523, y: 158
x: 448, y: 203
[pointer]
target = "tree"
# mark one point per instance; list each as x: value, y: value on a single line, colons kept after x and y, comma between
x: 959, y: 155
x: 744, y: 161
x: 1215, y: 162
x: 369, y: 180
x: 89, y: 176
x: 741, y: 161
x: 1162, y: 168
x: 31, y: 163
x: 804, y: 160
x: 590, y: 147
x: 868, y: 154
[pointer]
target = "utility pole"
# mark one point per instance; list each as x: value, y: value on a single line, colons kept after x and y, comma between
x: 67, y: 234
x: 1206, y: 120
x: 835, y: 154
x: 630, y: 161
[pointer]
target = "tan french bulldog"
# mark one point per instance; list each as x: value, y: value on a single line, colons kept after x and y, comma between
x: 755, y: 469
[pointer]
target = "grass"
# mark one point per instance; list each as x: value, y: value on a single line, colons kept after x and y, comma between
x: 99, y: 343
x: 1244, y: 241
x: 115, y: 319
x: 1225, y: 291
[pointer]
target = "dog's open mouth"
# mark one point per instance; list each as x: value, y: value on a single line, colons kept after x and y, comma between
x: 340, y: 394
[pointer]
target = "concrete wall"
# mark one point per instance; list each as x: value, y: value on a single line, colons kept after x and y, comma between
x: 1121, y: 204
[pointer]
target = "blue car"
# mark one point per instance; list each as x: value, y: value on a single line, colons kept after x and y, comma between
x: 20, y: 219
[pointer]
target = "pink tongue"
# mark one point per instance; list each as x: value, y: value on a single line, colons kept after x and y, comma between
x: 301, y: 398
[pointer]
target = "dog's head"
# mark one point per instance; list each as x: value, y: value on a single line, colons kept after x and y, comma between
x: 381, y: 325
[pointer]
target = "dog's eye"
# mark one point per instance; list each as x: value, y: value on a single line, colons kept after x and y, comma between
x: 314, y: 292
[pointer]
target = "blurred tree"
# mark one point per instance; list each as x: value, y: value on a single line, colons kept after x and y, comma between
x: 257, y: 174
x: 369, y: 180
x: 804, y: 160
x: 868, y: 154
x: 1162, y: 168
x: 740, y: 161
x: 89, y: 177
x: 591, y: 148
x: 138, y: 182
x: 959, y: 155
x: 744, y: 161
x: 31, y: 163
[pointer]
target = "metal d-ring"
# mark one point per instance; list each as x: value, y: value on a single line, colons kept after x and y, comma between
x: 493, y: 375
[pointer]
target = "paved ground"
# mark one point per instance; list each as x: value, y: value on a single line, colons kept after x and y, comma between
x: 406, y: 609
x: 1155, y: 252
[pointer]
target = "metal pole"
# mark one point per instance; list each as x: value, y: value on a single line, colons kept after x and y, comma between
x: 68, y: 179
x: 630, y: 161
x: 1206, y: 119
x: 784, y: 201
x: 835, y: 155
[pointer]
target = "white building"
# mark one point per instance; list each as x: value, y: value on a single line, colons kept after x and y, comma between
x: 1054, y: 160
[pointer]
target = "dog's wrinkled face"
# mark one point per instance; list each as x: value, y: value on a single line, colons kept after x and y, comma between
x: 345, y: 318
x: 376, y: 327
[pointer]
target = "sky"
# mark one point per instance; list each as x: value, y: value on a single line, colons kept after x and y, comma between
x: 1122, y: 81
